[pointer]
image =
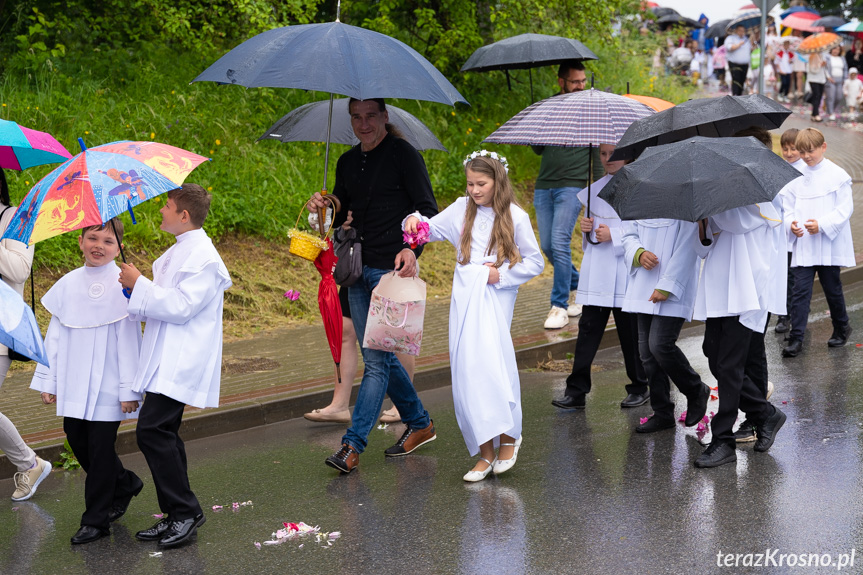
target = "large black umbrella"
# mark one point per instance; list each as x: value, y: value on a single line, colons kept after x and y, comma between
x: 711, y: 117
x: 697, y: 178
x: 661, y: 11
x: 526, y: 51
x: 717, y: 30
x: 308, y: 123
x: 670, y: 20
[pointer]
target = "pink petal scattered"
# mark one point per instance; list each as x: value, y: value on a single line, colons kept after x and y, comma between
x: 701, y: 426
x: 784, y: 402
x: 713, y: 397
x: 158, y: 515
x: 715, y: 388
x: 294, y: 531
x: 301, y: 546
x: 14, y: 509
x: 217, y: 507
x: 292, y: 295
x: 643, y: 420
x: 682, y: 417
x: 258, y: 545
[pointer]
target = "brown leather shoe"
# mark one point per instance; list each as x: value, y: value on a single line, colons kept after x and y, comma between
x: 345, y: 459
x: 411, y: 439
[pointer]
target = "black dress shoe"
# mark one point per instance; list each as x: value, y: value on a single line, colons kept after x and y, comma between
x: 568, y: 402
x: 121, y: 505
x: 783, y: 324
x: 697, y: 407
x: 88, y: 534
x: 793, y: 349
x: 635, y: 399
x: 155, y: 532
x: 766, y: 432
x: 716, y: 454
x: 840, y: 336
x: 181, y: 531
x: 655, y: 423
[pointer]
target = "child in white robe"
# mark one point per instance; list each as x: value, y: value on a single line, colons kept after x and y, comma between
x: 818, y: 207
x: 602, y: 287
x: 181, y: 356
x: 497, y: 252
x: 789, y: 151
x: 661, y: 290
x: 92, y: 348
x: 739, y: 248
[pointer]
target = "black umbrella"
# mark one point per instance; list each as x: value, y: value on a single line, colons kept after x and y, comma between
x: 527, y: 51
x: 308, y: 123
x: 711, y: 117
x: 661, y: 11
x: 678, y: 20
x: 697, y: 178
x: 717, y: 30
x: 830, y: 22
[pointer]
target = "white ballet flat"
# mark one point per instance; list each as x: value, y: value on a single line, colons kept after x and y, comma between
x: 474, y: 476
x: 502, y: 465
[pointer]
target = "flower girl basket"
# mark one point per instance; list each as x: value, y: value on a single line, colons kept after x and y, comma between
x: 306, y: 245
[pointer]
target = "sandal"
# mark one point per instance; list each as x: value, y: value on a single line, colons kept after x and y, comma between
x: 474, y: 476
x: 318, y: 416
x: 390, y: 415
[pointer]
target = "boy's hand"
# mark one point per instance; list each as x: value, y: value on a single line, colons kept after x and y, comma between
x: 587, y: 225
x: 411, y: 224
x: 648, y: 260
x: 493, y: 273
x: 129, y: 274
x: 603, y: 234
x: 48, y: 398
x: 129, y: 406
x: 406, y: 263
x: 811, y: 226
x: 657, y: 297
x: 796, y: 230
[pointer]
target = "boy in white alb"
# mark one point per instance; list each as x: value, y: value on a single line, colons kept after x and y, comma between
x: 181, y: 357
x: 789, y: 152
x: 602, y: 289
x: 661, y: 290
x: 92, y: 348
x: 739, y: 248
x: 817, y: 208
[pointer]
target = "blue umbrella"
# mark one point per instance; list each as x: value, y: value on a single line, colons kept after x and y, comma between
x: 18, y: 328
x: 795, y: 9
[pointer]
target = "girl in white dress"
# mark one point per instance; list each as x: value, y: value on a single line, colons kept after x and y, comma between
x: 496, y: 252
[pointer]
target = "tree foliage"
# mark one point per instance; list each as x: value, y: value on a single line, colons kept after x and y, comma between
x: 837, y: 7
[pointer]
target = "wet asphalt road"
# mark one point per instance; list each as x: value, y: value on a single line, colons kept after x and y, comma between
x: 587, y: 495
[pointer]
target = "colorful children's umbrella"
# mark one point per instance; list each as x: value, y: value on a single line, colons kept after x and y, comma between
x: 817, y: 43
x: 853, y: 26
x: 329, y: 304
x: 802, y: 21
x: 97, y: 185
x: 22, y: 148
x: 18, y: 328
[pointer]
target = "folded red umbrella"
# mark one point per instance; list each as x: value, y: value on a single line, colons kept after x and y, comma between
x: 328, y: 302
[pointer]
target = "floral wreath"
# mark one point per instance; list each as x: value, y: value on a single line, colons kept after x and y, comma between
x: 487, y: 154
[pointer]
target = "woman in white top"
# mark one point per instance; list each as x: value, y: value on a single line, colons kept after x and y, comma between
x: 837, y: 70
x: 15, y: 261
x: 817, y: 76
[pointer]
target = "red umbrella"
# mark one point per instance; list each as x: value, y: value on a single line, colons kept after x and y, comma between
x: 328, y: 301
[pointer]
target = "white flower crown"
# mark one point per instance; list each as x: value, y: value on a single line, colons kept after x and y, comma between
x: 487, y: 154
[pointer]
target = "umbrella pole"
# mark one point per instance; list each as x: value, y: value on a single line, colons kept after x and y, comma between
x: 627, y: 87
x: 322, y: 212
x: 117, y: 237
x: 508, y: 82
x: 530, y: 75
x: 589, y: 178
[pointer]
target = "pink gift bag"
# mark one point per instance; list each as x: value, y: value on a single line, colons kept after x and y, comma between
x: 396, y: 312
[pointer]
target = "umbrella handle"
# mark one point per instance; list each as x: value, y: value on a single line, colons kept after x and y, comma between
x: 589, y: 178
x: 337, y: 206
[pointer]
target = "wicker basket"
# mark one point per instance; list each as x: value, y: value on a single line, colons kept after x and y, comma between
x: 306, y: 245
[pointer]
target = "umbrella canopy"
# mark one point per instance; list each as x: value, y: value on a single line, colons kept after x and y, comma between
x: 853, y: 26
x: 821, y: 42
x: 830, y: 22
x: 526, y: 51
x: 749, y: 19
x: 661, y: 11
x: 22, y: 148
x: 697, y: 178
x: 710, y: 117
x: 677, y: 20
x: 98, y: 184
x: 804, y: 21
x: 329, y: 304
x: 18, y: 328
x: 577, y: 119
x: 657, y: 104
x: 718, y: 30
x: 797, y: 9
x: 335, y: 58
x: 308, y: 123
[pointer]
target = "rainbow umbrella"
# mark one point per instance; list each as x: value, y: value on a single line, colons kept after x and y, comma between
x: 22, y: 148
x: 98, y: 184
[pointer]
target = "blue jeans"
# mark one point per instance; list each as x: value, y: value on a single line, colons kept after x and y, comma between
x: 556, y: 213
x: 383, y: 374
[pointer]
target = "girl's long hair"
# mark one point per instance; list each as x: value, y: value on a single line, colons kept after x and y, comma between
x: 502, y: 238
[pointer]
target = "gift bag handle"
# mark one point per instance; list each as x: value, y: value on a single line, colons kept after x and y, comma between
x: 404, y: 319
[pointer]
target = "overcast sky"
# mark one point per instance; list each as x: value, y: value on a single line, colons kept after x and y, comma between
x: 714, y: 9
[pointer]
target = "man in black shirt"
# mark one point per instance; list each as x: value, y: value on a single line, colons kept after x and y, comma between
x: 381, y: 181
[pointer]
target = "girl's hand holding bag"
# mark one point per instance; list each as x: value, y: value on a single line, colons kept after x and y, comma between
x: 396, y: 313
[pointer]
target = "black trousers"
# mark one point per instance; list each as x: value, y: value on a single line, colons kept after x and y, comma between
x: 107, y: 480
x: 591, y: 326
x: 662, y: 359
x: 159, y: 441
x: 815, y: 97
x: 756, y: 360
x: 726, y: 345
x: 784, y: 84
x: 738, y: 77
x: 831, y: 283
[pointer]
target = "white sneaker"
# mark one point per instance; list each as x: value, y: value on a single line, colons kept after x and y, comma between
x: 831, y: 117
x: 26, y: 482
x: 770, y: 389
x: 557, y: 318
